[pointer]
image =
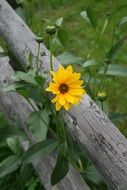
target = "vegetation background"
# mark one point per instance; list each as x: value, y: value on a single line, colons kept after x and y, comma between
x: 83, y: 38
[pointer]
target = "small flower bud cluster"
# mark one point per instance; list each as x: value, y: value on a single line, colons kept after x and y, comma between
x: 101, y: 96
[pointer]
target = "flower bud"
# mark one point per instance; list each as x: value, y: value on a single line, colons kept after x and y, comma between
x: 51, y: 29
x: 108, y: 13
x: 108, y: 61
x: 39, y: 40
x: 101, y: 95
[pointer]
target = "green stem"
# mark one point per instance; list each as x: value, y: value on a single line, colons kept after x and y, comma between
x: 51, y: 65
x: 57, y: 126
x: 46, y: 124
x: 103, y: 78
x: 102, y: 32
x: 94, y: 86
x: 37, y: 60
x: 90, y: 76
x: 102, y: 106
x: 61, y: 132
x: 112, y: 41
x: 64, y: 130
x: 114, y: 22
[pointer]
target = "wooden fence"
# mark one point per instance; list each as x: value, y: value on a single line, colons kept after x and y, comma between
x: 103, y: 142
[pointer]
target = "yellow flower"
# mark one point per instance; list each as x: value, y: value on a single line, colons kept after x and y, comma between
x: 67, y: 87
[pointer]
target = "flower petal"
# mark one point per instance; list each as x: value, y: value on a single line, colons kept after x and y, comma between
x: 69, y: 98
x: 54, y: 99
x: 58, y: 106
x: 77, y: 99
x: 77, y: 92
x: 67, y: 106
x: 76, y: 83
x: 53, y: 88
x: 69, y: 69
x: 62, y: 100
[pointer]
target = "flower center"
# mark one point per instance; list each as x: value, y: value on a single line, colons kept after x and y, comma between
x: 63, y: 88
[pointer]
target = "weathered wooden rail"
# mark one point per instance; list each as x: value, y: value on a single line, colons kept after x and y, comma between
x: 105, y: 145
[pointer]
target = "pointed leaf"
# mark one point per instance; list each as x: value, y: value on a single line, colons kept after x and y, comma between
x: 60, y: 170
x: 14, y: 145
x: 116, y: 70
x: 62, y: 36
x: 92, y: 174
x: 115, y: 49
x: 27, y: 77
x: 59, y: 21
x: 9, y: 165
x: 68, y: 58
x: 84, y: 16
x: 90, y: 15
x: 40, y: 149
x: 37, y: 126
x: 123, y: 20
x: 91, y: 62
x: 40, y: 80
x: 117, y: 117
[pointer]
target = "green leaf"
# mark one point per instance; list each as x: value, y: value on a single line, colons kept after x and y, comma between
x: 9, y: 131
x: 84, y: 16
x: 30, y: 61
x: 116, y: 70
x: 59, y: 21
x: 92, y: 174
x: 25, y: 174
x: 60, y: 170
x: 12, y: 87
x: 32, y: 92
x: 75, y: 154
x: 9, y: 165
x: 105, y: 106
x: 27, y: 77
x: 3, y: 54
x: 14, y: 145
x: 91, y: 62
x: 117, y: 117
x: 90, y: 15
x: 19, y: 1
x: 62, y: 36
x: 4, y: 152
x: 68, y: 58
x: 120, y: 8
x: 40, y: 149
x: 37, y: 126
x: 40, y: 80
x: 32, y: 184
x: 115, y: 49
x: 123, y: 20
x: 28, y: 90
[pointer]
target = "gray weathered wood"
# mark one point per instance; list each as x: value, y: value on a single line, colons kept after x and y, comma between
x: 17, y: 109
x: 105, y: 145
